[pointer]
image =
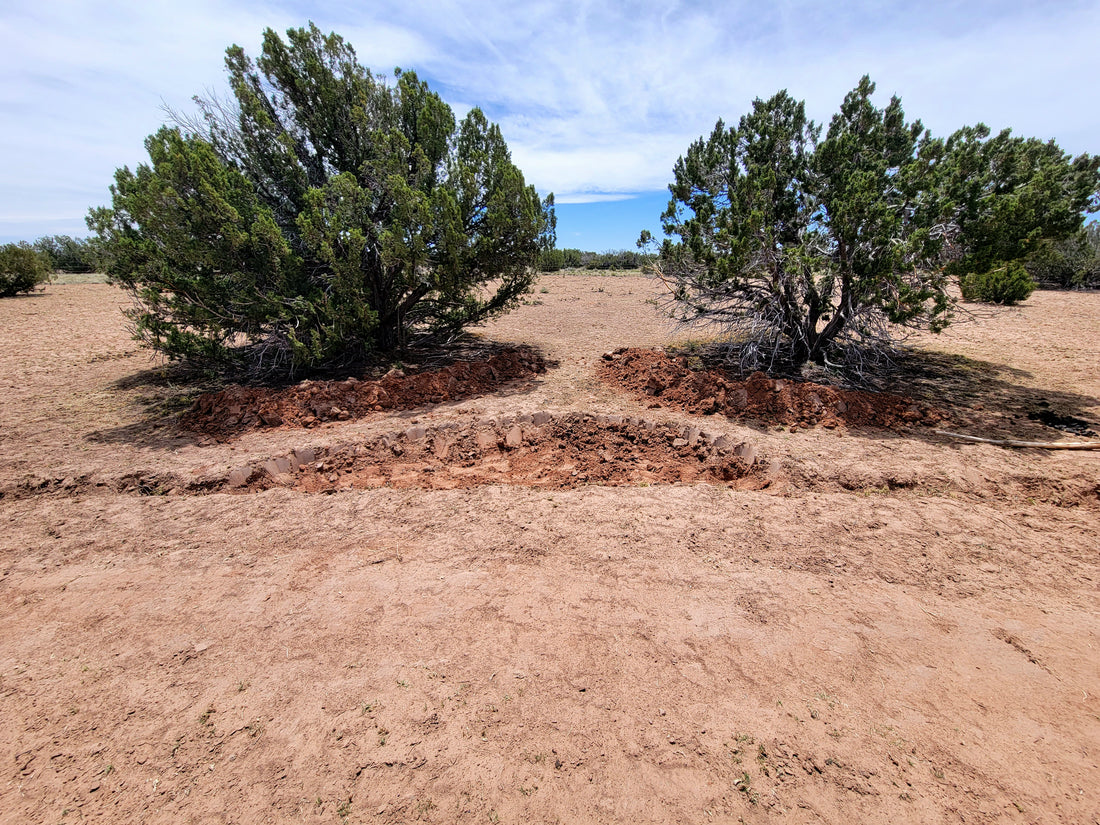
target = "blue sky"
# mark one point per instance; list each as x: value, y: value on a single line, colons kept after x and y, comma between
x: 596, y: 99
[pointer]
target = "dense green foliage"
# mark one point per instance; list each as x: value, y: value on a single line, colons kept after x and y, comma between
x: 805, y: 248
x: 320, y: 214
x: 1010, y: 197
x: 67, y: 254
x: 22, y: 268
x: 1070, y: 263
x: 551, y: 260
x: 1008, y: 283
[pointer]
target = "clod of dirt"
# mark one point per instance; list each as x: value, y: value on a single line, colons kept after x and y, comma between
x: 670, y: 382
x: 235, y: 410
x: 537, y: 450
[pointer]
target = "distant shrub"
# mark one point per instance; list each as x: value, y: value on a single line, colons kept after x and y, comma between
x: 551, y: 260
x: 22, y: 268
x: 572, y: 258
x: 1008, y: 283
x: 615, y: 260
x: 611, y: 260
x: 66, y: 254
x: 1071, y: 263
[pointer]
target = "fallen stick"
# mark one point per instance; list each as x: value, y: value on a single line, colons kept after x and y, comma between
x: 1043, y: 445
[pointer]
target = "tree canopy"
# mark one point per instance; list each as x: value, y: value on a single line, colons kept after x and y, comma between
x: 317, y: 214
x: 805, y: 248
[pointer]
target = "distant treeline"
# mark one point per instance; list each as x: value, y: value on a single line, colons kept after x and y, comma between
x: 1072, y: 263
x: 64, y: 254
x: 551, y: 260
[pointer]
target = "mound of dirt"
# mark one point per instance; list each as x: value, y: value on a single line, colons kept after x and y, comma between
x: 236, y: 409
x: 669, y: 381
x: 538, y: 450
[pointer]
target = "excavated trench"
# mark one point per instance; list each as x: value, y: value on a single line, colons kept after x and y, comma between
x: 541, y: 449
x: 538, y: 449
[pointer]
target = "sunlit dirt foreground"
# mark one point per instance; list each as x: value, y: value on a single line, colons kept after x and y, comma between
x: 562, y: 599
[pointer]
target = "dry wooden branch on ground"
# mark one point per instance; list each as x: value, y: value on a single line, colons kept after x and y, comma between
x: 1043, y: 445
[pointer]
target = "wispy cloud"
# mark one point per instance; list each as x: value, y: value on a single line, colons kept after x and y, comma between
x: 596, y: 99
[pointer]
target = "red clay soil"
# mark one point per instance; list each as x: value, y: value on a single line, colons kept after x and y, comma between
x: 538, y: 450
x: 228, y: 413
x: 671, y: 382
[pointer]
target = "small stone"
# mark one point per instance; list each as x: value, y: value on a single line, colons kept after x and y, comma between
x: 415, y: 433
x: 540, y: 418
x: 305, y: 455
x: 746, y: 452
x: 513, y: 438
x: 486, y: 440
x: 239, y: 476
x: 277, y: 466
x: 441, y: 447
x: 679, y: 442
x: 691, y: 435
x: 723, y: 443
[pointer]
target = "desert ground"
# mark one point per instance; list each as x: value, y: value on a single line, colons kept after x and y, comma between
x: 556, y: 597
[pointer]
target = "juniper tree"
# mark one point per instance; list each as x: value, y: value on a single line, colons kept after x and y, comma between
x: 22, y: 269
x: 803, y: 248
x: 316, y: 214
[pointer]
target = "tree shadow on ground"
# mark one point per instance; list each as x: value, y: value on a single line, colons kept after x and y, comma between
x: 985, y: 398
x: 160, y: 395
x: 965, y: 395
x: 165, y: 394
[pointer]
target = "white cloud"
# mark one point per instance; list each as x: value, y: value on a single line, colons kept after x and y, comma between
x: 596, y: 99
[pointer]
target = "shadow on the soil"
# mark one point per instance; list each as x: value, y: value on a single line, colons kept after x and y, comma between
x: 926, y: 391
x: 986, y: 398
x: 167, y: 397
x: 163, y: 394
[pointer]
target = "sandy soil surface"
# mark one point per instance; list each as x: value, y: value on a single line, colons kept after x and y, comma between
x: 563, y: 598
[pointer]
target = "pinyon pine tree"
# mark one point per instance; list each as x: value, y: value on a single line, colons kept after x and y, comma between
x: 318, y: 214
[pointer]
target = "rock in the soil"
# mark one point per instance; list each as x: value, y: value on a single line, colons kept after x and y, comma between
x: 746, y: 452
x: 276, y: 467
x: 239, y: 476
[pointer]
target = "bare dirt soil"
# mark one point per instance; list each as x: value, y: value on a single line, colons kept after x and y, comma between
x: 601, y: 586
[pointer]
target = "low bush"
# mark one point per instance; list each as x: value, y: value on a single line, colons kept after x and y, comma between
x: 21, y: 269
x: 1007, y: 284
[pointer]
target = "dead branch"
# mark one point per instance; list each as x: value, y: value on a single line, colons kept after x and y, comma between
x: 1043, y: 445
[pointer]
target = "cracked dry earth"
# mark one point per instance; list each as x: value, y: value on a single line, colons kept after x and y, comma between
x: 570, y: 596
